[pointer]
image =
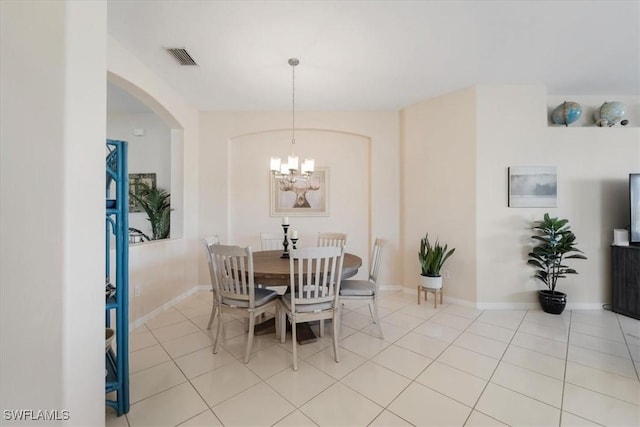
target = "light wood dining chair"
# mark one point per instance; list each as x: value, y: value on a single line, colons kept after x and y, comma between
x: 366, y: 290
x: 332, y: 239
x: 208, y: 241
x: 314, y: 275
x: 271, y: 241
x: 237, y: 293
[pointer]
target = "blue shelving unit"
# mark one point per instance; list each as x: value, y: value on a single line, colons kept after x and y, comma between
x: 117, y: 226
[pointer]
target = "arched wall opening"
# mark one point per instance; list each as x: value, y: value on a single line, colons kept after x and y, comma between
x: 344, y: 157
x: 158, y: 150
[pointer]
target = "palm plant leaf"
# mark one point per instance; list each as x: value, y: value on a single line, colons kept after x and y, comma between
x: 156, y: 203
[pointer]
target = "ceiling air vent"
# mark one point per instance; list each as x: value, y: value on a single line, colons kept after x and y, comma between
x: 181, y: 55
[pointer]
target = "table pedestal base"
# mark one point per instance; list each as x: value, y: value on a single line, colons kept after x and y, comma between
x: 304, y: 333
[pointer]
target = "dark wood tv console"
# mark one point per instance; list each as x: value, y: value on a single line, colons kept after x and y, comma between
x: 625, y: 271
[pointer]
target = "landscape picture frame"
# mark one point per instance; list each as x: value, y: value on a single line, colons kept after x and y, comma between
x: 533, y: 187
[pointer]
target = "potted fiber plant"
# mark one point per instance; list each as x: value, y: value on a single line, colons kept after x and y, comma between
x: 432, y: 258
x: 556, y: 243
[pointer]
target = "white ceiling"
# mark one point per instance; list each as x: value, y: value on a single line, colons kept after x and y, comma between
x: 380, y: 55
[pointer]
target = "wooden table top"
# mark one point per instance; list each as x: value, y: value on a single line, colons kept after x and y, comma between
x: 270, y: 269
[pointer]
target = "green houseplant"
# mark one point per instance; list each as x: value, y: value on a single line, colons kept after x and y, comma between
x: 156, y: 202
x: 432, y: 258
x: 556, y: 243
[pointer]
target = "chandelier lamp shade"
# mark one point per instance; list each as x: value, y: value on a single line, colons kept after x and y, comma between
x: 292, y: 170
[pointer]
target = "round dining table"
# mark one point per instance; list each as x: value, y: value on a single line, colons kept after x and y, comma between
x: 271, y: 269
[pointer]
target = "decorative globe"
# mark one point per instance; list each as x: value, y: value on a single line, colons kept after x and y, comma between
x: 610, y: 113
x: 566, y: 113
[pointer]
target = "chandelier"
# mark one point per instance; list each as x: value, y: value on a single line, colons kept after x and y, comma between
x: 289, y: 172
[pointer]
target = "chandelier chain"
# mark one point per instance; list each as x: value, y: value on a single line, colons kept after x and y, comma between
x: 293, y: 104
x: 289, y: 173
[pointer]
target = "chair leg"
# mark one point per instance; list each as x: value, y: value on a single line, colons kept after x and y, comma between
x: 336, y: 331
x: 321, y: 328
x: 283, y: 326
x: 373, y: 306
x: 215, y: 343
x: 252, y: 324
x: 214, y: 310
x: 294, y: 344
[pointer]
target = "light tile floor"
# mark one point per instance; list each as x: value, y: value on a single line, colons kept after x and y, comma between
x: 446, y: 366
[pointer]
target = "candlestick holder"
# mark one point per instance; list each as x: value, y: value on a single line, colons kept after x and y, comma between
x: 293, y: 242
x: 285, y: 242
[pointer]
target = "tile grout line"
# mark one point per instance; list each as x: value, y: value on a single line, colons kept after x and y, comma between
x: 624, y: 336
x: 566, y: 362
x: 412, y: 381
x: 493, y: 373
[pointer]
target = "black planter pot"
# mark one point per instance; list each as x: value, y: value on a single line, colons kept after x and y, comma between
x: 552, y: 302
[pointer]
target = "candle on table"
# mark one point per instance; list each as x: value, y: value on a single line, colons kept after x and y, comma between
x: 294, y: 234
x: 285, y: 220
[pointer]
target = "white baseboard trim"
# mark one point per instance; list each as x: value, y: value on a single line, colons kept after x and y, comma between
x: 500, y: 305
x: 142, y: 320
x: 536, y: 306
x: 448, y: 300
x: 392, y: 288
x: 507, y: 305
x: 586, y: 306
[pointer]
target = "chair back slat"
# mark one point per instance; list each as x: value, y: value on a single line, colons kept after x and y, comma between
x: 233, y: 266
x: 375, y: 260
x: 315, y: 274
x: 332, y: 239
x: 208, y: 242
x: 271, y: 241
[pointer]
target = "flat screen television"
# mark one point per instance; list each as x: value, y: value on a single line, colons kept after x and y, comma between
x: 634, y: 208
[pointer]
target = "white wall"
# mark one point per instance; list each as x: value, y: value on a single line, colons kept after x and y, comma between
x: 226, y: 140
x: 167, y: 269
x: 150, y: 153
x: 52, y: 212
x: 593, y: 166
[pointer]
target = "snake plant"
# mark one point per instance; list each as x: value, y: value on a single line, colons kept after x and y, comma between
x: 432, y: 257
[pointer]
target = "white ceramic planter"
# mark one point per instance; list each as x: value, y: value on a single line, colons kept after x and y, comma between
x: 431, y: 282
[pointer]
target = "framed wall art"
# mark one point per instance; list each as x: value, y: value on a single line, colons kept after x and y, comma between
x: 301, y: 198
x: 135, y: 179
x: 533, y: 187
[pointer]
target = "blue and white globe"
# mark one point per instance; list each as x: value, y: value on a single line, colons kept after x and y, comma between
x: 610, y: 113
x: 566, y: 113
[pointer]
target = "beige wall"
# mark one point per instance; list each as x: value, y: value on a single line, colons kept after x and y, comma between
x: 343, y: 157
x: 234, y: 181
x: 439, y: 188
x: 456, y: 152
